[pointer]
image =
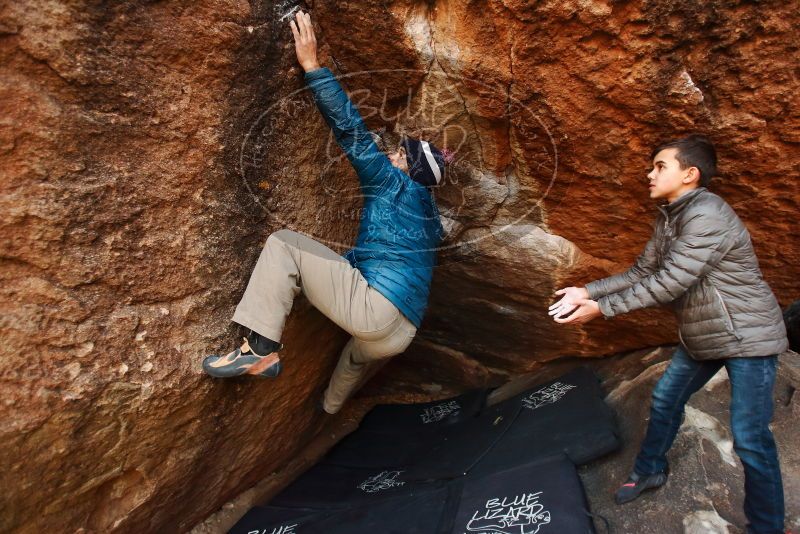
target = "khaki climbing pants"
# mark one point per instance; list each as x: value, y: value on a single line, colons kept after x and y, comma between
x: 290, y: 263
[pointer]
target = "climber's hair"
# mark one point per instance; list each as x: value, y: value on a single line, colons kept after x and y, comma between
x: 695, y: 150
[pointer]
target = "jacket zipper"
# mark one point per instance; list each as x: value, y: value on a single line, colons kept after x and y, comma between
x: 727, y: 314
x: 680, y: 338
x: 664, y: 235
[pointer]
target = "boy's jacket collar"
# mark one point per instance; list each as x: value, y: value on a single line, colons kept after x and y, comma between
x: 674, y: 207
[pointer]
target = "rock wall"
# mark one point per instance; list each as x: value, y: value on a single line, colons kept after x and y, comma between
x: 149, y: 148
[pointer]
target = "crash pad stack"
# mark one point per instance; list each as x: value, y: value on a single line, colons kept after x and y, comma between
x: 455, y: 466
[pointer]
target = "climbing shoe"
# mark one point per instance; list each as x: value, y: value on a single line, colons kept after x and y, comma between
x: 636, y: 484
x: 243, y: 361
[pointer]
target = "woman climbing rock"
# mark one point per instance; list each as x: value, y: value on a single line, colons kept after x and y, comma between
x: 378, y: 291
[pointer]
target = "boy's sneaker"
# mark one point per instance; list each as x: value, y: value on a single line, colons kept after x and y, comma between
x: 243, y: 361
x: 637, y: 483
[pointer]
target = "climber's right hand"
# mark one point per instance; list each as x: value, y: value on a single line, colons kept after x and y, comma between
x: 305, y: 43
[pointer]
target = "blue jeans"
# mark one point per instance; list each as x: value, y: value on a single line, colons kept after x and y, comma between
x: 751, y: 380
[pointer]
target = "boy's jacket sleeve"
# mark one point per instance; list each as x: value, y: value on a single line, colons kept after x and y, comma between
x: 645, y: 264
x: 372, y: 166
x: 704, y: 240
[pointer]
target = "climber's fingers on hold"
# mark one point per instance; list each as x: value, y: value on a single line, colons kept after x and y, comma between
x: 299, y: 23
x: 310, y: 28
x: 304, y: 27
x: 295, y: 31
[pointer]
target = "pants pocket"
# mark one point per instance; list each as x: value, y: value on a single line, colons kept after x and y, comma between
x: 380, y: 316
x: 393, y: 341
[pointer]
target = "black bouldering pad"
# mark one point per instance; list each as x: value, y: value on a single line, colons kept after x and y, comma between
x: 440, y: 453
x: 459, y: 447
x: 511, y: 462
x: 277, y: 520
x: 421, y: 513
x: 403, y: 418
x: 326, y: 486
x: 544, y: 497
x: 567, y: 415
x: 372, y: 449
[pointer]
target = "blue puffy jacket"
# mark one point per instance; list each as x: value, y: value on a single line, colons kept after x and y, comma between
x: 400, y: 229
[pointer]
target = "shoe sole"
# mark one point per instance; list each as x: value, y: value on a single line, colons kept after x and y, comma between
x: 263, y: 367
x: 649, y: 486
x: 267, y: 367
x: 272, y: 371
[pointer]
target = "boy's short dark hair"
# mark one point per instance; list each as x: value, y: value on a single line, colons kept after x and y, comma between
x: 695, y: 150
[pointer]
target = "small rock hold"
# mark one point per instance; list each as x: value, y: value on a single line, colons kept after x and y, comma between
x: 85, y: 349
x: 147, y: 367
x: 73, y: 370
x: 70, y: 395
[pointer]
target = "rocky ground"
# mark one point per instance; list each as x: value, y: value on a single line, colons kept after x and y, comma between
x: 704, y: 493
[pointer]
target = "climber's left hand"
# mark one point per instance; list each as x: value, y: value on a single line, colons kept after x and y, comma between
x: 586, y: 311
x: 305, y: 42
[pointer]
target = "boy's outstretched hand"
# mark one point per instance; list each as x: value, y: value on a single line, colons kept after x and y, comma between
x: 586, y: 311
x: 574, y: 307
x: 568, y: 300
x: 305, y: 43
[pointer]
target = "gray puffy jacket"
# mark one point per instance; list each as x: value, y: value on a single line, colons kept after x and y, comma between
x: 700, y: 260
